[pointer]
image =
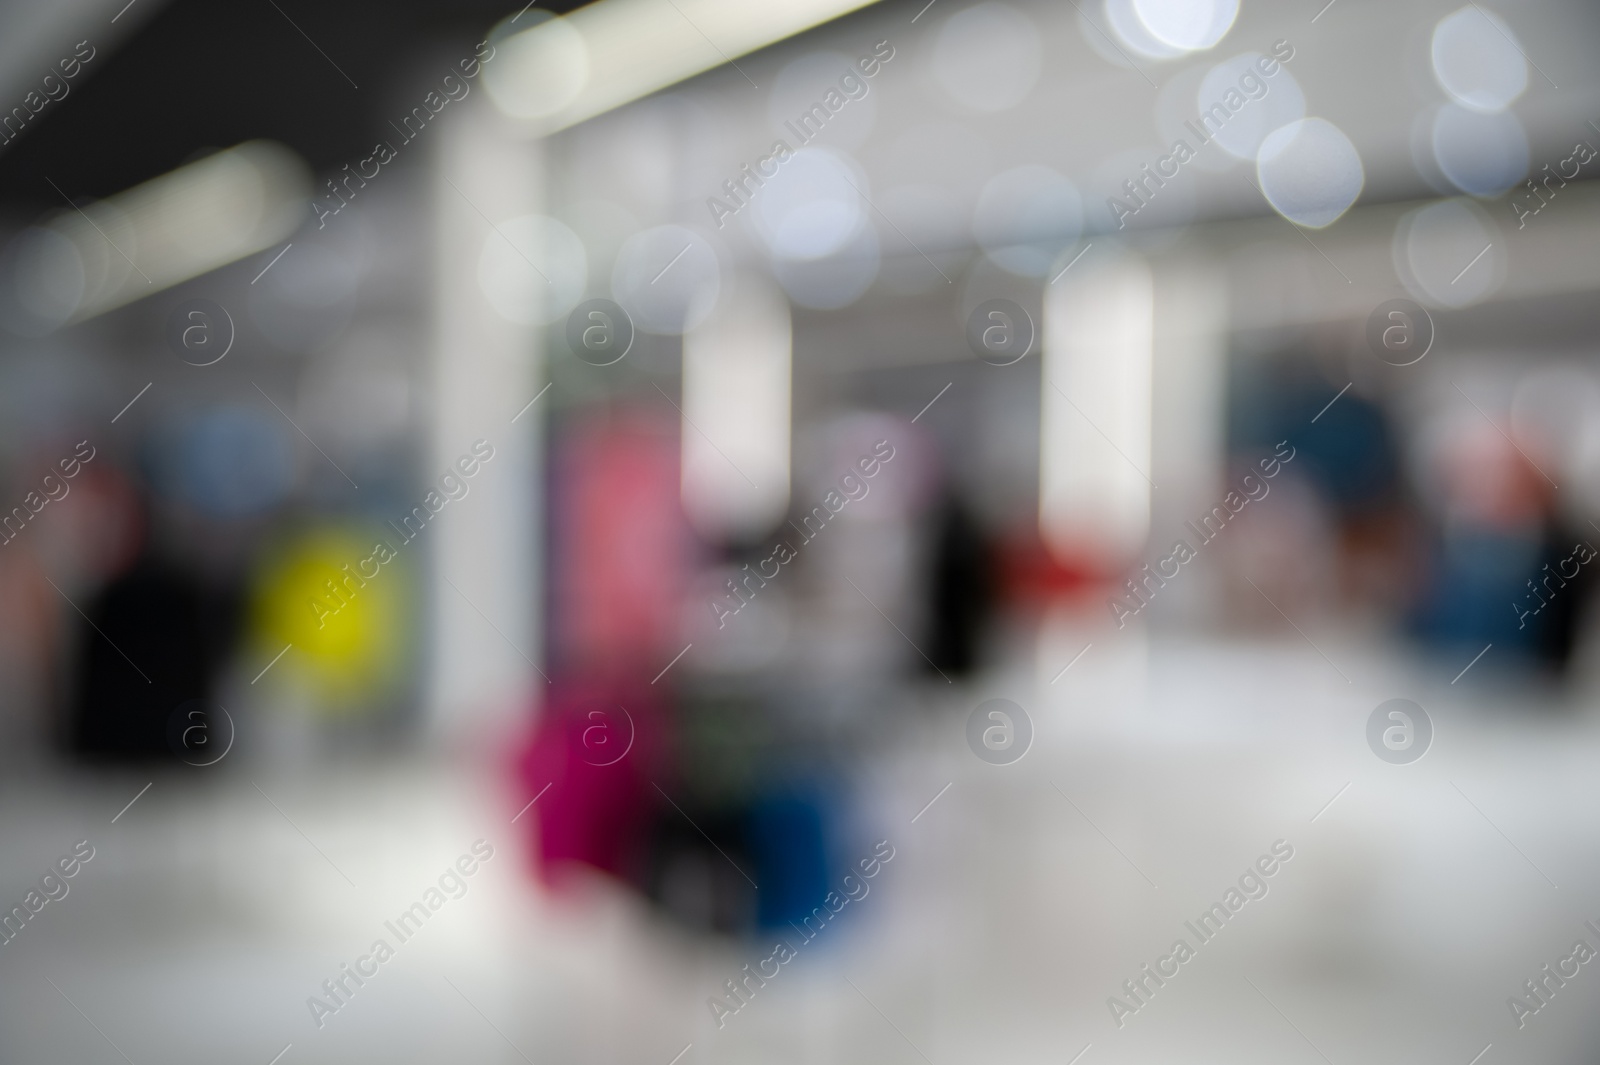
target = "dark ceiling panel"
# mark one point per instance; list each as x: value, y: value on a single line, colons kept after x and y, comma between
x: 202, y: 75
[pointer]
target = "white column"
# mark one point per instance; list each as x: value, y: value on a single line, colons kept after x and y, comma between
x: 482, y: 633
x: 1095, y: 447
x: 736, y: 403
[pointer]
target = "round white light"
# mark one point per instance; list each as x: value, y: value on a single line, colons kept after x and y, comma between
x: 1310, y: 172
x: 1476, y: 60
x: 1187, y: 24
x: 667, y: 278
x: 532, y: 269
x: 41, y: 282
x: 1449, y: 253
x: 538, y: 71
x: 1125, y: 24
x: 1483, y: 154
x: 987, y: 57
x: 1257, y: 105
x: 812, y: 206
x: 1025, y: 217
x: 831, y: 81
x: 834, y: 282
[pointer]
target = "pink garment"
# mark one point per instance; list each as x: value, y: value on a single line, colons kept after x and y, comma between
x: 598, y: 747
x: 620, y: 557
x: 621, y: 548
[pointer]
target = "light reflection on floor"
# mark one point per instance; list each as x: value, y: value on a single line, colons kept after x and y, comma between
x: 1016, y: 903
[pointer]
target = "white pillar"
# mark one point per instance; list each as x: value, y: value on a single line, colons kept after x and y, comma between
x: 736, y: 403
x: 1095, y: 448
x: 482, y: 634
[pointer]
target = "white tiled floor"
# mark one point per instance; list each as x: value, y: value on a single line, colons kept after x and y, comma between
x: 998, y: 931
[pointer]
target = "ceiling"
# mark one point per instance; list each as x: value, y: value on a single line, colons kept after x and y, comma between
x: 172, y: 80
